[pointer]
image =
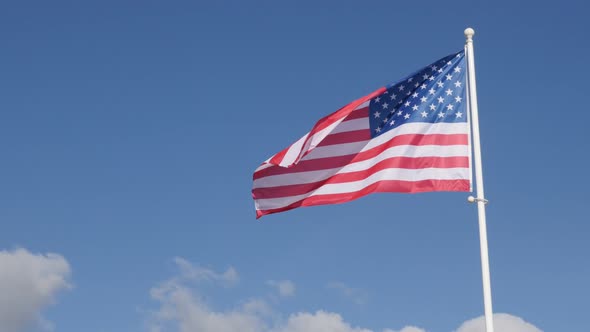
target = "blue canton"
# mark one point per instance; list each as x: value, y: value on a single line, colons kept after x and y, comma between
x: 433, y: 94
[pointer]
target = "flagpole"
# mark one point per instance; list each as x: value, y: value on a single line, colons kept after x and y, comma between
x: 480, y: 199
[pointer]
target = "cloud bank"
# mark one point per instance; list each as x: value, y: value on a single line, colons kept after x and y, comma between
x: 28, y: 283
x: 182, y: 309
x: 407, y: 329
x: 502, y: 322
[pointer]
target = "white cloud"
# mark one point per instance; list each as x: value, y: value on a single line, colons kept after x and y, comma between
x: 407, y: 329
x: 28, y: 283
x: 182, y: 309
x: 284, y: 287
x: 502, y: 322
x: 321, y: 321
x: 357, y: 295
x: 197, y: 273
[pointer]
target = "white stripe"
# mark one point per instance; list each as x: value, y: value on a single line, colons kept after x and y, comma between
x: 410, y: 128
x: 352, y: 125
x: 319, y: 136
x: 337, y: 150
x: 304, y: 144
x: 293, y: 152
x: 363, y: 105
x: 386, y: 174
x: 396, y: 151
x: 263, y: 166
x: 297, y: 149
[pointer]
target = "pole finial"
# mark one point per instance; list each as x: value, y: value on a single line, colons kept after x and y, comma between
x: 469, y: 32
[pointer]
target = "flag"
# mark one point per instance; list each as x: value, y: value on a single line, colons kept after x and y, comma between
x: 410, y: 136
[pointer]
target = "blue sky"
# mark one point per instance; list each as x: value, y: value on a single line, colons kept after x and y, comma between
x: 129, y: 132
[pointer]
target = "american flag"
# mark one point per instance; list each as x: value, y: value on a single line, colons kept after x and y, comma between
x: 411, y: 136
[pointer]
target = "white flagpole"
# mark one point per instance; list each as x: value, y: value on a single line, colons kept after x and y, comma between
x: 480, y: 199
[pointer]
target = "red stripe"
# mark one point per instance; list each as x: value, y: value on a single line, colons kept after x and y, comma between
x: 346, y: 137
x: 343, y: 112
x: 358, y: 114
x: 327, y: 121
x: 355, y: 156
x: 277, y: 158
x: 381, y: 186
x: 306, y: 165
x: 395, y: 162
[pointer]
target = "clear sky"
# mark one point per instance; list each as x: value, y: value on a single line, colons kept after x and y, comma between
x: 129, y: 131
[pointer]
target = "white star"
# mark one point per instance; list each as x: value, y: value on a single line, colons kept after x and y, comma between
x: 440, y: 70
x: 449, y: 63
x: 401, y: 88
x: 431, y: 78
x: 440, y: 84
x: 425, y: 76
x: 431, y: 91
x: 433, y: 68
x: 377, y: 99
x: 441, y: 100
x: 378, y: 129
x: 415, y: 94
x: 408, y: 93
x: 458, y: 114
x: 407, y: 103
x: 449, y: 77
x: 458, y: 84
x: 423, y: 86
x: 450, y: 107
x: 415, y: 108
x: 377, y: 114
x: 393, y: 96
x: 410, y: 79
x: 407, y: 116
x: 423, y: 99
x: 458, y: 99
x: 385, y: 105
x: 417, y: 84
x: 449, y: 92
x: 385, y: 120
x: 432, y: 107
x: 392, y: 122
x: 441, y: 114
x: 424, y: 114
x: 457, y: 69
x: 399, y: 113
